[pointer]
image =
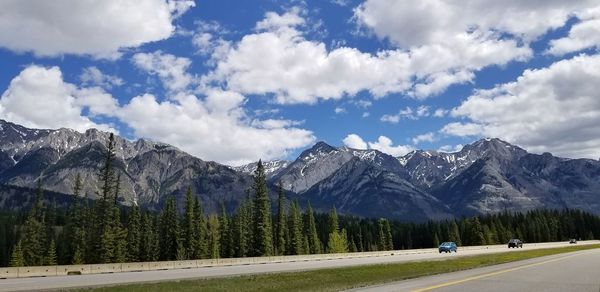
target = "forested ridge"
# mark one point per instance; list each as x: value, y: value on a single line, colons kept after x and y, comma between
x: 103, y: 231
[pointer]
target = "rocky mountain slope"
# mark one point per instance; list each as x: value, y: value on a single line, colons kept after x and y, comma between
x: 149, y: 170
x: 486, y: 176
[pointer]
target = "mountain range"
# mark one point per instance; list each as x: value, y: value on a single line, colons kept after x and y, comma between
x: 487, y: 176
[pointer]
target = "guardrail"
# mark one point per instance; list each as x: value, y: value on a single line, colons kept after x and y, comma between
x: 64, y: 270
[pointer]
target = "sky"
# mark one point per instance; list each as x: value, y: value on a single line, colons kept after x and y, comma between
x: 236, y: 81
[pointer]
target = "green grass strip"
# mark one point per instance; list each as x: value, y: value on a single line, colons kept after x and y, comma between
x: 336, y: 279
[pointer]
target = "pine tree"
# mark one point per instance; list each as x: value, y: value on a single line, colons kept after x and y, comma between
x: 454, y: 234
x: 436, y: 240
x: 381, y: 240
x: 50, y: 259
x: 476, y: 235
x: 311, y: 230
x: 169, y: 230
x: 189, y: 230
x: 388, y: 235
x: 213, y: 236
x: 338, y: 240
x: 263, y: 235
x: 225, y: 234
x: 295, y: 225
x: 33, y: 233
x: 134, y: 236
x: 280, y: 242
x: 16, y: 258
x: 200, y: 246
x: 149, y: 248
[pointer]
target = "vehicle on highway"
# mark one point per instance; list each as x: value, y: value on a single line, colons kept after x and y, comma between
x: 515, y: 243
x: 448, y: 247
x: 573, y: 241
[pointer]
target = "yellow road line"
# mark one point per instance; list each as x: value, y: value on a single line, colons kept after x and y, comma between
x: 492, y: 274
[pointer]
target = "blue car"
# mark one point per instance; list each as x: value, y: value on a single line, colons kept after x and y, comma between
x: 448, y: 247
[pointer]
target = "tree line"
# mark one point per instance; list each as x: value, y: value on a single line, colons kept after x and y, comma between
x: 102, y: 231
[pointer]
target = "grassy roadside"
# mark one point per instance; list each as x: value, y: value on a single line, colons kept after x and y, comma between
x: 342, y: 278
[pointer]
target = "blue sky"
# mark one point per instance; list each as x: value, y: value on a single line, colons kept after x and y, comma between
x: 235, y: 81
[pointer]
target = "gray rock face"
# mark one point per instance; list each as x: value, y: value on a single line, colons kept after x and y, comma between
x: 313, y: 165
x: 486, y: 176
x: 272, y: 168
x: 364, y: 188
x: 149, y: 170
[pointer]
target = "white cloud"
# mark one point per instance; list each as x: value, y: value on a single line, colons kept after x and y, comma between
x: 462, y: 129
x: 93, y: 76
x: 39, y: 98
x: 98, y: 28
x: 211, y: 131
x: 383, y: 144
x: 207, y: 39
x: 407, y: 113
x: 409, y: 24
x: 279, y: 60
x: 450, y: 148
x: 366, y: 114
x: 582, y: 35
x: 355, y: 142
x: 440, y: 113
x: 427, y: 137
x: 171, y: 70
x: 554, y: 109
x: 339, y: 110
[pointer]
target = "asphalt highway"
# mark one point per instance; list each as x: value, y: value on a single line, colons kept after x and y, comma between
x: 62, y: 282
x: 577, y: 271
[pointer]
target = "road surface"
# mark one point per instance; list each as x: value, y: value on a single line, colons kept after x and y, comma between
x: 58, y: 282
x: 577, y: 271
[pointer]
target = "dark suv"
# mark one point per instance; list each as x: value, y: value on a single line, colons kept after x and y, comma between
x: 515, y: 243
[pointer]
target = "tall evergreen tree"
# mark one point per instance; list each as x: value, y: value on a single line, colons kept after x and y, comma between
x: 200, y: 245
x: 134, y: 235
x: 338, y: 240
x: 311, y: 231
x: 213, y: 236
x: 17, y: 257
x: 225, y: 234
x: 149, y: 249
x: 280, y: 242
x: 50, y: 258
x: 169, y: 230
x: 34, y: 233
x: 454, y: 234
x: 296, y: 241
x: 189, y: 229
x: 388, y: 235
x: 263, y: 235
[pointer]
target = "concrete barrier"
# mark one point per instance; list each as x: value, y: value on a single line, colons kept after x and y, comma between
x: 135, y: 267
x: 105, y: 268
x: 73, y: 270
x: 6, y: 273
x: 42, y: 271
x: 22, y: 272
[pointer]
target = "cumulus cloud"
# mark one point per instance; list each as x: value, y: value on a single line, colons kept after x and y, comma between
x: 39, y: 98
x: 383, y: 144
x: 98, y: 28
x: 278, y: 59
x: 440, y: 113
x: 171, y: 70
x: 407, y: 113
x: 93, y: 76
x: 210, y: 130
x: 582, y: 35
x: 355, y: 142
x: 450, y: 148
x: 554, y: 109
x: 427, y: 137
x: 409, y: 24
